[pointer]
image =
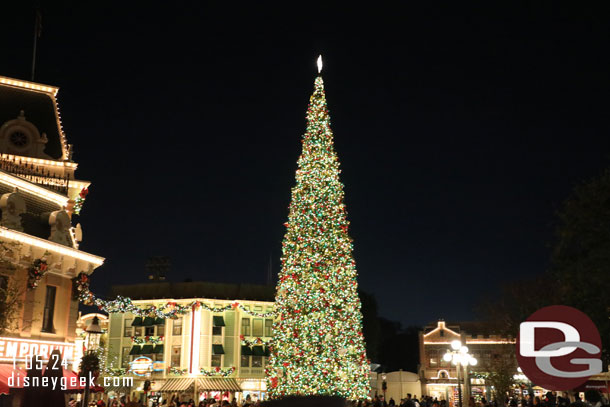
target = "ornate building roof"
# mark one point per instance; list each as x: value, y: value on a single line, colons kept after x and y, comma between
x: 36, y: 104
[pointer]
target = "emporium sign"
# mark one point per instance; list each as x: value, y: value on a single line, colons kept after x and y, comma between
x: 19, y: 349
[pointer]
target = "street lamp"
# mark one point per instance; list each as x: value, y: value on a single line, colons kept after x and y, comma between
x: 384, y: 386
x: 94, y: 332
x: 460, y: 357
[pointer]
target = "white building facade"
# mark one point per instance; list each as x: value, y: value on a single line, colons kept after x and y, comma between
x: 201, y: 354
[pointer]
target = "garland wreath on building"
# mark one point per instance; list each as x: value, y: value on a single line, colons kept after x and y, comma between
x: 169, y: 310
x: 254, y: 342
x: 217, y: 371
x: 79, y: 201
x: 37, y: 271
x: 138, y: 340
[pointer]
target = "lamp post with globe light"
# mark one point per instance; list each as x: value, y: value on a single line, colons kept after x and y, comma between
x: 459, y: 356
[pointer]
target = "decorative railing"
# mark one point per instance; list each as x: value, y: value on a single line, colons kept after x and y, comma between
x: 36, y: 174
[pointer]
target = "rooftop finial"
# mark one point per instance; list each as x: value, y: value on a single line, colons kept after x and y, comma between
x: 320, y: 64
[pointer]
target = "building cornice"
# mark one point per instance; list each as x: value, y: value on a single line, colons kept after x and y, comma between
x: 52, y: 247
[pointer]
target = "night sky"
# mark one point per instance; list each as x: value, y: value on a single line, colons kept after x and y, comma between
x: 460, y: 128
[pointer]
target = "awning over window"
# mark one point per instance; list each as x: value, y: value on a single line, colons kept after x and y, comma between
x: 6, y: 371
x: 137, y: 321
x: 159, y: 321
x: 246, y: 350
x: 218, y: 384
x: 218, y: 320
x: 217, y: 350
x: 267, y: 351
x: 258, y: 351
x: 135, y: 350
x: 158, y: 349
x: 177, y: 384
x: 146, y: 350
x: 148, y: 321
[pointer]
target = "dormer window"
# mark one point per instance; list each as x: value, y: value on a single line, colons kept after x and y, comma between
x: 441, y: 333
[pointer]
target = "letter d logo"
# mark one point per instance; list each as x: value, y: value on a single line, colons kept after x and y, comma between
x: 559, y: 348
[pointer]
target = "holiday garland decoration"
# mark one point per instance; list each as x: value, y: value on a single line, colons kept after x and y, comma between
x: 37, y: 270
x: 80, y: 284
x: 79, y: 201
x: 254, y: 342
x: 218, y: 371
x: 169, y: 310
x: 175, y: 370
x: 139, y: 340
x: 318, y: 345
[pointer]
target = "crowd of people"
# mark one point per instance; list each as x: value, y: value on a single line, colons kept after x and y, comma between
x: 551, y: 399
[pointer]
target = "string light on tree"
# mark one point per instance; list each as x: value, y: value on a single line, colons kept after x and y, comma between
x: 318, y: 348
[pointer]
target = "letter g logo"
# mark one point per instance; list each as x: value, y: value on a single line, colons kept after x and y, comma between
x: 559, y: 348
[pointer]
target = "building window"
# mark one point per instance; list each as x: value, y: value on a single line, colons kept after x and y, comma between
x: 177, y: 328
x: 217, y: 323
x: 159, y: 357
x: 245, y: 326
x: 49, y: 310
x: 127, y: 328
x: 137, y: 331
x: 441, y: 333
x: 268, y: 327
x: 175, y: 358
x: 257, y: 361
x: 433, y: 355
x: 216, y: 360
x: 125, y: 357
x: 257, y: 327
x: 245, y: 361
x: 149, y: 331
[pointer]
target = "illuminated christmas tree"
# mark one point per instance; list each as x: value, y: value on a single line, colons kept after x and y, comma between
x: 318, y: 346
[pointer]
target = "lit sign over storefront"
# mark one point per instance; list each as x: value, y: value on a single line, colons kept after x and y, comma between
x: 19, y: 349
x: 141, y: 365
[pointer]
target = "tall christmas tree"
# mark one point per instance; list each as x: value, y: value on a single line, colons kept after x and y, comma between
x: 318, y: 346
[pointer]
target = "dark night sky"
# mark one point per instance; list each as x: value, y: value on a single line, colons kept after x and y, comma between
x: 460, y: 129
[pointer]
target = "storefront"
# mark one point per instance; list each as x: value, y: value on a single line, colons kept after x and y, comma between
x: 252, y: 390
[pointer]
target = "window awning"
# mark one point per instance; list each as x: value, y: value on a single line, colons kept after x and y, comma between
x: 6, y: 371
x: 159, y: 321
x: 158, y: 349
x: 217, y: 350
x: 177, y: 384
x: 137, y: 321
x: 146, y: 350
x: 246, y: 350
x: 267, y: 351
x: 218, y: 320
x: 218, y: 385
x: 148, y: 321
x: 258, y: 351
x: 135, y: 350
